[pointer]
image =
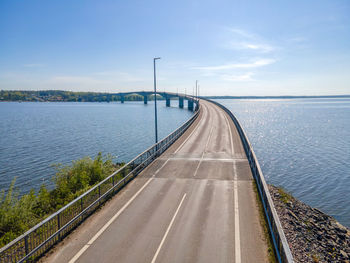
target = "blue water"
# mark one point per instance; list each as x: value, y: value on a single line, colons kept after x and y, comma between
x: 33, y: 136
x: 304, y: 146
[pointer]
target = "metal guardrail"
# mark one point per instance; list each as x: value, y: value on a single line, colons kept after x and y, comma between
x: 279, y: 240
x: 36, y: 241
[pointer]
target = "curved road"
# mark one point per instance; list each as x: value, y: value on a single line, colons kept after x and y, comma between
x: 195, y: 203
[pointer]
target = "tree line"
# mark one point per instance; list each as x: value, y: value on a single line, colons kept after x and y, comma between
x: 61, y: 95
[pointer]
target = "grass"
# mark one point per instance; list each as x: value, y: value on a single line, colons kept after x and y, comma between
x: 264, y: 224
x: 285, y: 197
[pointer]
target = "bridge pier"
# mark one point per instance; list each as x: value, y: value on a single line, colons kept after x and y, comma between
x: 167, y: 102
x: 190, y: 105
x: 181, y: 102
x: 145, y: 99
x: 122, y: 99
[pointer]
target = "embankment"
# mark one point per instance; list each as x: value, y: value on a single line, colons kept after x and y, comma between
x: 312, y: 235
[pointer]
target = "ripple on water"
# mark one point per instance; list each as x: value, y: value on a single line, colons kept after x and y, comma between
x: 36, y: 135
x: 304, y: 146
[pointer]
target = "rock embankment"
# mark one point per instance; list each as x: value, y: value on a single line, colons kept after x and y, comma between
x: 312, y: 235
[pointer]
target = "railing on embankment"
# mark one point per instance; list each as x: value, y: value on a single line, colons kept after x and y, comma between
x: 279, y: 240
x: 44, y: 235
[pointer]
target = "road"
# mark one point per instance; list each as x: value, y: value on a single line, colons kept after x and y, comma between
x: 195, y: 203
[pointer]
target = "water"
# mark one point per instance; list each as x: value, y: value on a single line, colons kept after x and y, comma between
x: 304, y: 146
x: 33, y: 136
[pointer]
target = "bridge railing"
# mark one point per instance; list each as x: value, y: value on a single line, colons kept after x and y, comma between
x: 279, y: 240
x: 36, y: 241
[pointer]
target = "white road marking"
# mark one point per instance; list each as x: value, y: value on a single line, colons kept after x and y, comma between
x: 81, y: 251
x: 236, y: 209
x: 167, y: 231
x: 93, y: 239
x: 205, y: 149
x: 182, y: 144
x: 160, y: 168
x: 194, y: 159
x: 229, y: 127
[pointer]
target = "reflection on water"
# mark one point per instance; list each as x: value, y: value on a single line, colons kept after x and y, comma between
x: 304, y: 146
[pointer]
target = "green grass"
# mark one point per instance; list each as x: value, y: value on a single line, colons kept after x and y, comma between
x: 264, y: 224
x: 285, y: 197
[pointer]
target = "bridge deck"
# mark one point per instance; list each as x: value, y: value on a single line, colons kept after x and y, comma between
x: 193, y: 204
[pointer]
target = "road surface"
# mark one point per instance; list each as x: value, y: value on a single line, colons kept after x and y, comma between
x: 195, y: 203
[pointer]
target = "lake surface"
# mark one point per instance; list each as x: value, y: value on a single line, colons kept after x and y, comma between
x: 301, y: 144
x: 35, y: 135
x: 304, y: 146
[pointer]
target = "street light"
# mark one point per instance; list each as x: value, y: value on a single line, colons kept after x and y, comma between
x: 155, y: 98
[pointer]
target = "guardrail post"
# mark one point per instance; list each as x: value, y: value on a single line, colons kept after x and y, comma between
x: 58, y: 227
x: 26, y: 245
x: 81, y: 205
x: 99, y: 194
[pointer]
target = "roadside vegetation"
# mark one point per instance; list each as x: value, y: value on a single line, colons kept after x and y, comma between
x: 20, y: 213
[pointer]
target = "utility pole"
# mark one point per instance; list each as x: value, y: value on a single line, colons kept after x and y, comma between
x: 155, y: 98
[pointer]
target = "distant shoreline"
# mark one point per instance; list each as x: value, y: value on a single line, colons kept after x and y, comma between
x: 278, y: 97
x: 70, y: 96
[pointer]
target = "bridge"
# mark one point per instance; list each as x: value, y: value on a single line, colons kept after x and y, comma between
x: 166, y: 95
x: 188, y: 198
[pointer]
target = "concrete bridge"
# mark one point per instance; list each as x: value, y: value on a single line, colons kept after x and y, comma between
x: 166, y: 95
x: 188, y: 198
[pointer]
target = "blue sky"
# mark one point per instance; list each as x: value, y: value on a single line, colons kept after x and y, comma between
x: 231, y: 47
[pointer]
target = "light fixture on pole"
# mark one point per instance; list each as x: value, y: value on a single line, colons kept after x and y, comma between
x: 155, y: 98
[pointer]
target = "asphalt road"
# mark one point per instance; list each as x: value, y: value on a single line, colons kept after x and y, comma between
x: 195, y: 203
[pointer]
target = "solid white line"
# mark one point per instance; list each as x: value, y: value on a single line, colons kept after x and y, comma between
x: 167, y: 231
x: 81, y: 251
x: 236, y: 209
x: 187, y: 138
x: 237, y: 234
x: 193, y: 159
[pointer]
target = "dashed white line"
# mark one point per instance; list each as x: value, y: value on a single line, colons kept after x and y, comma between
x: 182, y: 144
x: 206, y: 145
x: 167, y: 231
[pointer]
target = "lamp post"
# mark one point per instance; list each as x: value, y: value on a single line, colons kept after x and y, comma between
x: 155, y: 98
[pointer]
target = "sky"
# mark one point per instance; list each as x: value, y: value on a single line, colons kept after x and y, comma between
x: 238, y: 48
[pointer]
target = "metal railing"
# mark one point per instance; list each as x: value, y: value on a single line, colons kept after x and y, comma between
x: 36, y: 241
x: 281, y: 247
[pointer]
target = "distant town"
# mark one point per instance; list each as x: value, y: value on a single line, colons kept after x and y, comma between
x: 66, y: 96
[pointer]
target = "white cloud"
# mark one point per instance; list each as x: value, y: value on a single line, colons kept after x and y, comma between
x: 244, y: 40
x: 244, y: 77
x: 255, y: 64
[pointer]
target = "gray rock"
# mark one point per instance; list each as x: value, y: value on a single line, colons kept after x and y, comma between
x: 344, y: 254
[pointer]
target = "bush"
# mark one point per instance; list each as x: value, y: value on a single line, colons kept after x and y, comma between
x: 20, y: 213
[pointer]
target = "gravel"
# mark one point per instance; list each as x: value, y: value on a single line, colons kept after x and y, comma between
x: 312, y: 235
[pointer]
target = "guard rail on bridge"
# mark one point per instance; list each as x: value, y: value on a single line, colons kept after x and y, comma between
x: 279, y: 240
x: 36, y: 241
